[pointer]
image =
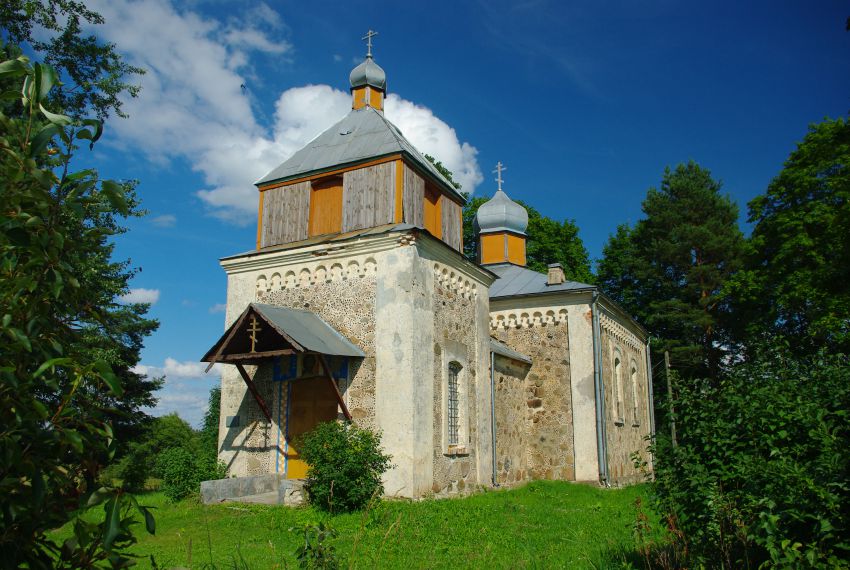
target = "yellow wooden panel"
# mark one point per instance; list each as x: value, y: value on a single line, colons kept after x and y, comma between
x: 516, y: 249
x: 493, y: 248
x: 376, y: 99
x: 313, y: 401
x: 359, y: 98
x: 326, y: 207
x: 260, y: 222
x: 399, y: 191
x: 432, y: 213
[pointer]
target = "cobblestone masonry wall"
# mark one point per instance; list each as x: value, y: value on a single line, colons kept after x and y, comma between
x: 625, y: 428
x: 346, y: 300
x: 454, y: 336
x: 513, y: 427
x: 547, y: 397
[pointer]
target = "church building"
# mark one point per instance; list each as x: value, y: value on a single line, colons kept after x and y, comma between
x: 357, y: 303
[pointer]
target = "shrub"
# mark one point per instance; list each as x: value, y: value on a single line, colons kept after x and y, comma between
x: 133, y: 469
x: 179, y: 473
x: 761, y: 474
x: 346, y: 464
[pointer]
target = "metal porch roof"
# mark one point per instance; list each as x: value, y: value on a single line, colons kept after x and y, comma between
x: 309, y: 330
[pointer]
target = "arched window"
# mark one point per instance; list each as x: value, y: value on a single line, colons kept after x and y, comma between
x: 618, y: 386
x: 453, y: 405
x: 634, y: 379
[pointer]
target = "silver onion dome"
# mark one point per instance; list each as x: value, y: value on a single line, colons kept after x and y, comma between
x: 501, y: 213
x: 368, y: 73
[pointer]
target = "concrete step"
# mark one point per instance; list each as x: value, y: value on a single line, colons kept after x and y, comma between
x: 260, y: 499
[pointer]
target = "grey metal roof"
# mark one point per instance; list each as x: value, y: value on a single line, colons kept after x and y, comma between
x: 361, y: 135
x: 501, y: 213
x: 368, y: 73
x: 309, y: 330
x: 514, y: 280
x: 501, y: 348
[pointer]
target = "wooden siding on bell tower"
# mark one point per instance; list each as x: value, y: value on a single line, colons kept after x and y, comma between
x: 384, y: 191
x: 368, y: 197
x: 285, y: 215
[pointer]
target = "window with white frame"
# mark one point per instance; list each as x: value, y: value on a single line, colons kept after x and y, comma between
x: 453, y: 405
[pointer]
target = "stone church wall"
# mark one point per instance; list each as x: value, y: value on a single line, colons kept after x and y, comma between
x: 547, y: 394
x: 513, y: 427
x: 625, y: 428
x: 455, y: 334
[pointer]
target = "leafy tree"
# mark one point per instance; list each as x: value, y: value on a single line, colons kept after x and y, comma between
x: 94, y: 75
x: 209, y: 429
x: 672, y: 269
x: 55, y: 393
x: 797, y: 282
x: 548, y: 241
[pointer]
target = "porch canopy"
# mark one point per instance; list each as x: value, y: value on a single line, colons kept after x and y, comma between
x: 265, y: 332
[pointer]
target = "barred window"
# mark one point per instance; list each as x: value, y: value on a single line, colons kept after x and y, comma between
x: 452, y: 404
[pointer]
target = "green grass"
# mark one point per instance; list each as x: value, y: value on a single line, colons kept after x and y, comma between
x: 541, y: 525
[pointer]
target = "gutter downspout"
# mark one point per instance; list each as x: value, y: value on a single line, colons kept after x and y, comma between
x: 649, y: 386
x: 599, y: 386
x: 493, y: 411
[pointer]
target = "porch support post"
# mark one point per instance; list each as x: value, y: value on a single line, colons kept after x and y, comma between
x: 254, y: 392
x: 339, y: 399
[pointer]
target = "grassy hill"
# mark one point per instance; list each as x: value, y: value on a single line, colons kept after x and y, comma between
x: 541, y: 525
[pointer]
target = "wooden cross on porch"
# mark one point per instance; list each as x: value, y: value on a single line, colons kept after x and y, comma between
x: 368, y: 38
x: 254, y: 329
x: 499, y: 169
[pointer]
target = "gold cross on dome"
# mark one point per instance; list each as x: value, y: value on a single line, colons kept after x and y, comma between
x: 368, y: 38
x: 254, y: 329
x: 499, y: 169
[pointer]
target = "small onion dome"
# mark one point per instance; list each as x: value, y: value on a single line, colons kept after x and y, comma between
x: 500, y: 213
x: 368, y: 73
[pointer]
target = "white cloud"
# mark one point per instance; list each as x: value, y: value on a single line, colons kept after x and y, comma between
x: 164, y: 221
x: 186, y: 389
x: 430, y: 135
x: 194, y: 104
x: 140, y: 295
x: 218, y: 308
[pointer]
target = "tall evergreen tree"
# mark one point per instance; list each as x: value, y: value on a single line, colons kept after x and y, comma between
x: 797, y: 282
x: 671, y: 270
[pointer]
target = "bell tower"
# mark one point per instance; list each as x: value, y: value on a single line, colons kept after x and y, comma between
x: 501, y: 225
x: 368, y: 81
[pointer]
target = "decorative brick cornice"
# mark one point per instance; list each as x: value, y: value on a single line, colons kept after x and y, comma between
x: 525, y: 319
x: 619, y: 332
x: 447, y: 279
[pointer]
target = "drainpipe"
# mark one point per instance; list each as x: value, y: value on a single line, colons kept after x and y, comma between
x: 649, y: 384
x: 493, y: 411
x: 599, y: 386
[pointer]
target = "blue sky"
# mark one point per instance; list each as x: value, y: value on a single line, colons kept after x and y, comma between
x: 585, y: 102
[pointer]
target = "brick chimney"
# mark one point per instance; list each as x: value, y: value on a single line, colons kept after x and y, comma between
x: 556, y: 274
